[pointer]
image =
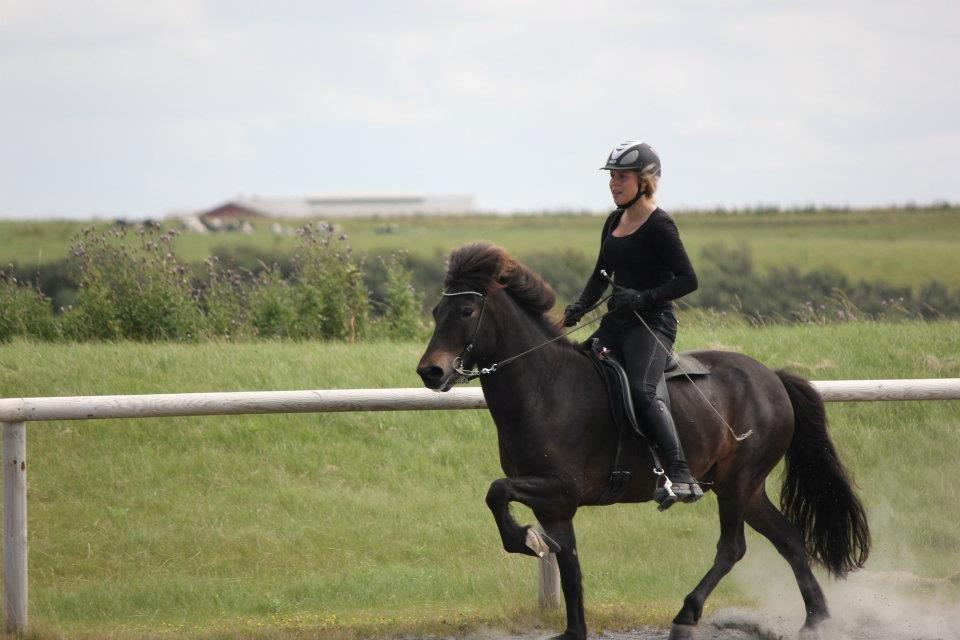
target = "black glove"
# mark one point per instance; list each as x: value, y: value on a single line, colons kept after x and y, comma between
x: 631, y: 299
x: 573, y: 313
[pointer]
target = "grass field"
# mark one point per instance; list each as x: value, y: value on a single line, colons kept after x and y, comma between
x: 359, y: 525
x: 902, y: 247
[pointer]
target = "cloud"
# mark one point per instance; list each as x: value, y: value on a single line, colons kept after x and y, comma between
x: 741, y: 98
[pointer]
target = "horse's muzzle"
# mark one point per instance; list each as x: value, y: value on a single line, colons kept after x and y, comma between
x: 434, y: 374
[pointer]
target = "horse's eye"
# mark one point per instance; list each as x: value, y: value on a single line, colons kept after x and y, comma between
x: 466, y: 312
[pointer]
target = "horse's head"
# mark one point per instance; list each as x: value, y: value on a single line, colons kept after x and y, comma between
x: 468, y: 316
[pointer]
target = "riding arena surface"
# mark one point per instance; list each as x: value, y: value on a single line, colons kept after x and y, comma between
x: 859, y: 623
x: 868, y: 605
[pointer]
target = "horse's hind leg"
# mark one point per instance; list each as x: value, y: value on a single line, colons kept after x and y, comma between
x: 768, y: 521
x: 730, y: 548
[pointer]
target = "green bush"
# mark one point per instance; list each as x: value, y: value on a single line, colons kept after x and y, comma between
x: 728, y: 282
x: 330, y: 296
x: 400, y: 317
x: 272, y: 312
x: 566, y: 271
x: 226, y: 300
x: 25, y: 312
x: 119, y: 284
x: 133, y: 288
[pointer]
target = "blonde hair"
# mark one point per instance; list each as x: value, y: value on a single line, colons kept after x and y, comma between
x: 648, y: 183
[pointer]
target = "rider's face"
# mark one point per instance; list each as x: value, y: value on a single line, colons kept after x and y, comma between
x: 624, y: 186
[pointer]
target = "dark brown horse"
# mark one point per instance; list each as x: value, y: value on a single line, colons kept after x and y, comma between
x: 557, y: 438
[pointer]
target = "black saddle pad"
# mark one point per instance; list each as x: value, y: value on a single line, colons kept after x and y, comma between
x: 685, y: 363
x: 618, y: 390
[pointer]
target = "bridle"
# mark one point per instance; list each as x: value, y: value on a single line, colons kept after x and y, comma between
x: 469, y: 374
x: 458, y: 362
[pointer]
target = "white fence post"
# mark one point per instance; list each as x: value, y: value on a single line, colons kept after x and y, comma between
x: 549, y: 595
x: 15, y: 526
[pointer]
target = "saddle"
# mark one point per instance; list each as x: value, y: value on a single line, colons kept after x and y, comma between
x: 630, y: 431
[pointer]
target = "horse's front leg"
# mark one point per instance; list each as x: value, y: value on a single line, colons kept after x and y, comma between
x: 545, y: 495
x: 571, y: 580
x: 554, y: 503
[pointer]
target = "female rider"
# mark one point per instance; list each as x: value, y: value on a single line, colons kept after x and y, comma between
x: 640, y: 248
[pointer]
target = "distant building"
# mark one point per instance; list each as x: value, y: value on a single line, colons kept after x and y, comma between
x: 231, y: 212
x: 346, y: 206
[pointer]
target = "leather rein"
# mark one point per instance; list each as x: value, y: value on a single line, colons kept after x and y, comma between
x: 469, y: 374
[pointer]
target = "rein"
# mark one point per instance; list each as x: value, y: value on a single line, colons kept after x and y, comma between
x: 467, y: 375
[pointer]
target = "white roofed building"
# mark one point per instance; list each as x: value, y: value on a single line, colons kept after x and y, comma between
x: 340, y: 206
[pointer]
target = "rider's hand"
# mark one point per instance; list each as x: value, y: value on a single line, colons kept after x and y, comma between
x: 573, y: 313
x: 631, y: 299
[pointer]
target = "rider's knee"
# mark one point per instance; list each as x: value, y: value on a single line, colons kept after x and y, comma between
x: 644, y: 398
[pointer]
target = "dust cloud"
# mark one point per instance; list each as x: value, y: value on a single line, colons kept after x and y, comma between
x: 868, y: 605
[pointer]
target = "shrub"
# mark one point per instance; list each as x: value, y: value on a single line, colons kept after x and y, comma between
x: 330, y: 296
x: 566, y: 271
x: 400, y: 308
x: 272, y: 312
x: 138, y: 292
x: 226, y: 300
x: 25, y: 312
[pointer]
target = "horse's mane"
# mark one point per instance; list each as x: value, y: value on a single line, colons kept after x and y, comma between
x: 482, y: 267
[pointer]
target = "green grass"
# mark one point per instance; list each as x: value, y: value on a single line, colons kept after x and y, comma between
x: 363, y: 524
x: 902, y: 247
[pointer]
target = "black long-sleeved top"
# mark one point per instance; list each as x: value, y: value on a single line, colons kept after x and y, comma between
x: 652, y: 258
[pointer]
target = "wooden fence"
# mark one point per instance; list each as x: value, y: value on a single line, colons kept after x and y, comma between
x: 16, y: 412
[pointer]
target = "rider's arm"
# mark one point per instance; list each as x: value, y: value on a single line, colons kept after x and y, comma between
x: 675, y: 258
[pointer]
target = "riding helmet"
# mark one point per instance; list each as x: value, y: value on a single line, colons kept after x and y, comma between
x: 633, y: 155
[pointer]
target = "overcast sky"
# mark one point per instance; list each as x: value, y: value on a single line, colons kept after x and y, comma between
x: 123, y: 108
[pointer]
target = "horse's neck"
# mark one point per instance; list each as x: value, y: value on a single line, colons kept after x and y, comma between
x: 523, y: 382
x: 529, y: 399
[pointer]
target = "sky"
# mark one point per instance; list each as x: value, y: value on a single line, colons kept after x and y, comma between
x: 113, y: 108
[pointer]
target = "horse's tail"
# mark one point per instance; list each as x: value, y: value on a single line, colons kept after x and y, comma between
x: 817, y: 493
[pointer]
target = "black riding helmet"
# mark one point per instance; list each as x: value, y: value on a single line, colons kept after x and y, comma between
x: 633, y: 155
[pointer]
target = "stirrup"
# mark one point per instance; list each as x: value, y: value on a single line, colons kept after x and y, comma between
x: 666, y: 497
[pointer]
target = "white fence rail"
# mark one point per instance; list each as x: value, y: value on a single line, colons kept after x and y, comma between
x: 16, y: 412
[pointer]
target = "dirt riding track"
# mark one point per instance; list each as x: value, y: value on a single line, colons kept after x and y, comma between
x: 867, y: 606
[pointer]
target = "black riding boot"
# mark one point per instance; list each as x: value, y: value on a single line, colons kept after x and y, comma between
x: 683, y: 488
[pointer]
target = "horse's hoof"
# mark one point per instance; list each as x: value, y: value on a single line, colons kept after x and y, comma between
x: 540, y: 543
x: 808, y: 633
x: 683, y: 632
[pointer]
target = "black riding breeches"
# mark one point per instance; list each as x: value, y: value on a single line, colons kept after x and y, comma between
x: 643, y: 356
